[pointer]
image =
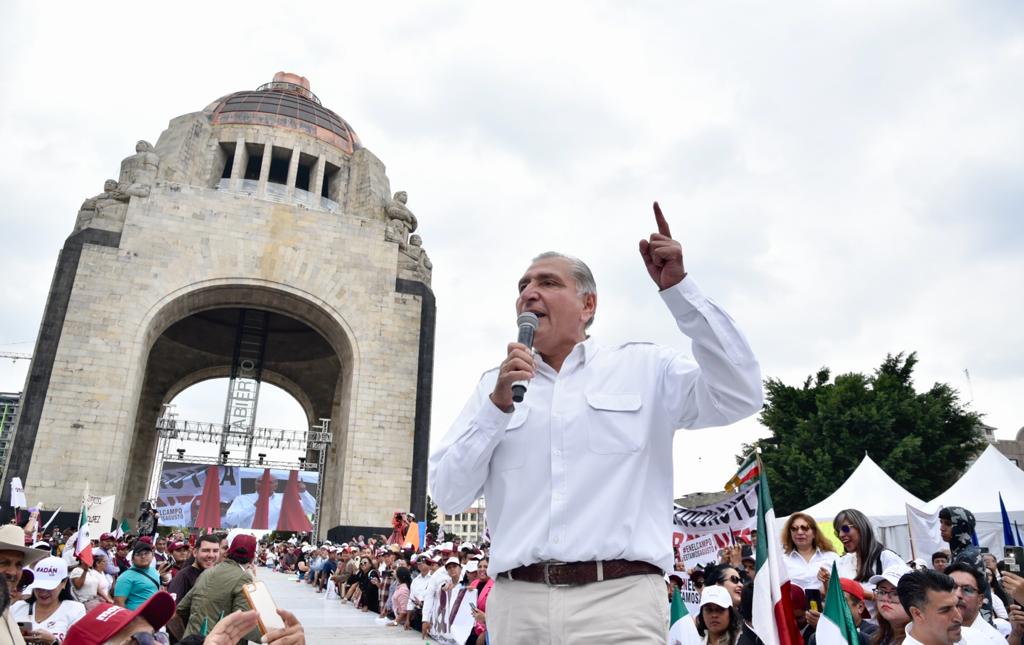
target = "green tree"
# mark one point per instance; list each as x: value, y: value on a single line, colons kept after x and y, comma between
x: 822, y: 430
x: 432, y: 524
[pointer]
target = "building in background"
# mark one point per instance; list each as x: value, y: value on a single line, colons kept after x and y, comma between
x: 9, y: 402
x: 469, y: 525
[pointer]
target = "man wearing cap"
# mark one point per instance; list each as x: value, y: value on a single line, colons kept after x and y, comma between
x: 108, y: 546
x: 218, y: 591
x: 14, y: 556
x: 106, y: 623
x: 577, y: 474
x: 136, y: 585
x: 853, y: 592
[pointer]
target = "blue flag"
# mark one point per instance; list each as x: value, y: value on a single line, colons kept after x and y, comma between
x: 1007, y: 528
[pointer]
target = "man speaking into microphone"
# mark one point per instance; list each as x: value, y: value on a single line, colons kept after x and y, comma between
x: 578, y: 476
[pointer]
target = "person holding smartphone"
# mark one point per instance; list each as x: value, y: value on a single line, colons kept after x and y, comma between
x: 50, y: 609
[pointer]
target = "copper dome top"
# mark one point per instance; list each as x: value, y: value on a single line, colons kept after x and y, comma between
x: 286, y: 102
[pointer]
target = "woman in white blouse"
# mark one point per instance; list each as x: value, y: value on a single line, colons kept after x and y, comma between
x: 807, y: 551
x: 865, y: 555
x: 90, y: 585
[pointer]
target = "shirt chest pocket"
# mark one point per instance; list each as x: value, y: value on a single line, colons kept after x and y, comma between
x: 511, y: 452
x: 614, y: 424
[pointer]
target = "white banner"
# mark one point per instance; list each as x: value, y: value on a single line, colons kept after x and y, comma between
x: 17, y: 493
x: 100, y: 511
x: 925, y: 537
x: 735, y: 513
x: 701, y: 551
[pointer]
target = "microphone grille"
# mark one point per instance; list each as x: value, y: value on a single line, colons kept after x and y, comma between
x: 527, y: 318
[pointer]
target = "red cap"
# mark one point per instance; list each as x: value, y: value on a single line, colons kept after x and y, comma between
x: 243, y: 546
x: 855, y: 589
x: 107, y: 536
x: 174, y: 546
x: 797, y: 597
x: 147, y: 539
x: 105, y: 620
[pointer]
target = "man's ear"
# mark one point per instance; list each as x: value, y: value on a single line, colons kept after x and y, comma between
x: 916, y: 614
x: 589, y: 306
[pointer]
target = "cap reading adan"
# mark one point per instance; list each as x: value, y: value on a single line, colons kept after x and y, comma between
x: 49, y: 573
x: 715, y: 595
x: 105, y: 620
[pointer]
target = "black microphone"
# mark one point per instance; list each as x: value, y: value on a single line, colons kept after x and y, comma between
x: 527, y: 322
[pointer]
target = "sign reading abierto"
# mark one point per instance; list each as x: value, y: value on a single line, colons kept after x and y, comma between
x: 735, y: 513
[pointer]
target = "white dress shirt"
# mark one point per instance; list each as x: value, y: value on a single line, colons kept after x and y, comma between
x: 418, y: 590
x: 582, y: 469
x: 803, y: 573
x: 981, y: 633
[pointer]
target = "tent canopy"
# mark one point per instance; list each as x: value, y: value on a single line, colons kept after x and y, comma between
x: 978, y: 490
x: 872, y: 492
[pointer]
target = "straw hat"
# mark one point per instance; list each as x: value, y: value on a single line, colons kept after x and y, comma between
x: 12, y: 538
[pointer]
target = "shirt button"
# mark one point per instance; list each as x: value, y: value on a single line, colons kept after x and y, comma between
x: 555, y: 540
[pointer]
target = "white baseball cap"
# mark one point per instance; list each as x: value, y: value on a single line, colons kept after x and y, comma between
x: 716, y: 595
x: 453, y: 560
x: 472, y: 565
x: 49, y: 573
x: 892, y: 575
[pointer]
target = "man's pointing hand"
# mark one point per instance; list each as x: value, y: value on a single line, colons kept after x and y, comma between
x: 662, y: 255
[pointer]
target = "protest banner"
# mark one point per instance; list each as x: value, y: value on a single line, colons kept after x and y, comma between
x: 735, y: 513
x: 100, y: 512
x: 701, y: 552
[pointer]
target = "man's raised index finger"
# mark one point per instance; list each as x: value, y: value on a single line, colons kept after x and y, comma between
x: 662, y: 224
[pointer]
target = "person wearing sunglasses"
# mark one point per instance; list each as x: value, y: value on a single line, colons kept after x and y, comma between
x: 969, y: 585
x: 725, y: 576
x: 865, y: 555
x: 806, y: 550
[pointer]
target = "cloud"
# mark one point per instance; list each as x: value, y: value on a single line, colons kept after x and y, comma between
x: 843, y: 176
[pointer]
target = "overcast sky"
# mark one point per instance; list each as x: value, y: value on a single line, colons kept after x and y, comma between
x: 845, y: 178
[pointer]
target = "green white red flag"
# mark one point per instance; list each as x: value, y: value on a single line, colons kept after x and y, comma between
x: 122, y: 529
x: 836, y: 626
x: 682, y: 630
x: 773, y: 619
x: 83, y: 544
x: 746, y: 475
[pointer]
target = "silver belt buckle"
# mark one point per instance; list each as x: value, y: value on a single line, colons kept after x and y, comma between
x: 547, y: 574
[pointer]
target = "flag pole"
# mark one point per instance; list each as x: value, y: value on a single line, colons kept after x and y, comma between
x: 910, y: 533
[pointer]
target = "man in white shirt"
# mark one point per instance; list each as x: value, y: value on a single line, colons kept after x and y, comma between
x: 930, y: 599
x: 969, y: 585
x: 578, y: 477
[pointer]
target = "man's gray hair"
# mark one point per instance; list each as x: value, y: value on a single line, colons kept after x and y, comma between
x: 581, y: 273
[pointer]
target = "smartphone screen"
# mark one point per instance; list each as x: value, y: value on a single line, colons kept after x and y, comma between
x: 813, y: 599
x: 260, y: 599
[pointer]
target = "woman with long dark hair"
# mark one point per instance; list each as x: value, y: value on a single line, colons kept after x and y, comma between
x: 865, y: 555
x: 719, y: 622
x: 891, y: 616
x: 727, y: 577
x: 51, y: 608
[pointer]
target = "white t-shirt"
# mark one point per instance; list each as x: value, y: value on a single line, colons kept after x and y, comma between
x: 57, y: 623
x: 804, y: 574
x: 95, y: 582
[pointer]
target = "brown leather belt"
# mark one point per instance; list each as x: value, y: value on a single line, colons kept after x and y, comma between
x: 568, y: 574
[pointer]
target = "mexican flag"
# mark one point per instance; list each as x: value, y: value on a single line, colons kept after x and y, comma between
x: 836, y: 626
x: 122, y: 529
x: 747, y: 473
x: 773, y: 610
x: 682, y: 630
x: 83, y: 545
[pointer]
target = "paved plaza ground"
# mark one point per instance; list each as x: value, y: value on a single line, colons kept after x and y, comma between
x: 328, y: 621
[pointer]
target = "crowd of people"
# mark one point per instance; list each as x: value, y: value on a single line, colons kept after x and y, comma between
x: 440, y: 592
x: 130, y: 589
x: 963, y: 595
x: 188, y: 590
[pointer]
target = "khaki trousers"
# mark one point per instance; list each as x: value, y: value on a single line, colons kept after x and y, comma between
x: 633, y: 610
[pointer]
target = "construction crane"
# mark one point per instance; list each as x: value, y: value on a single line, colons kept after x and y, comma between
x: 15, y: 356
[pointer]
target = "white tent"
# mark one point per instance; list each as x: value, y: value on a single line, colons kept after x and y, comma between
x: 978, y: 491
x: 872, y: 492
